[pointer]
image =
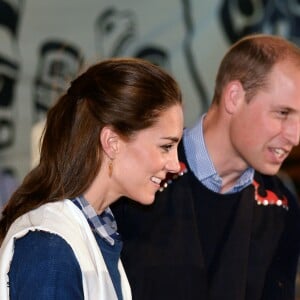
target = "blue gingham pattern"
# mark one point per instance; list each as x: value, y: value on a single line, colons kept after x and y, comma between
x: 201, y: 164
x: 103, y: 224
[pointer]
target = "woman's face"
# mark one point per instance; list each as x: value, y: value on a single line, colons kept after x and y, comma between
x: 143, y: 161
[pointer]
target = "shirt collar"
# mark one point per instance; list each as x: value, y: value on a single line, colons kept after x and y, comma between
x: 198, y: 157
x: 201, y: 163
x: 104, y: 224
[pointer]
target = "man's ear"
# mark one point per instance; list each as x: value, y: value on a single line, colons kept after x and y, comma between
x: 234, y: 95
x: 110, y: 141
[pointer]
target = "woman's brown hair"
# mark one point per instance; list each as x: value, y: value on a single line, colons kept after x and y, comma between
x: 126, y: 93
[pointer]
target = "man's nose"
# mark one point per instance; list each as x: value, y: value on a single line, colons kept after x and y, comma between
x: 292, y: 131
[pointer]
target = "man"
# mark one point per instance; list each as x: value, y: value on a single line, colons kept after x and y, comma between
x: 227, y: 228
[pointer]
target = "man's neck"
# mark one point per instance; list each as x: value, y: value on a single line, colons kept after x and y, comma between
x: 227, y: 163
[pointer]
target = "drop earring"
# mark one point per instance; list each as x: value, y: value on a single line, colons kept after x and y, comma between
x: 110, y: 168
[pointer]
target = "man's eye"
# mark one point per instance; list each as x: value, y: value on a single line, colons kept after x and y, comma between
x: 283, y: 113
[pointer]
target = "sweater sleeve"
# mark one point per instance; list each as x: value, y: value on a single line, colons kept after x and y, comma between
x: 44, y: 267
x: 281, y: 276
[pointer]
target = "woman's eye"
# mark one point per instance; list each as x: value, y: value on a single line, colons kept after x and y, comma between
x: 167, y: 148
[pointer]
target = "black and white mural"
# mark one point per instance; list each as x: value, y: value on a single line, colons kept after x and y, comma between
x: 45, y: 44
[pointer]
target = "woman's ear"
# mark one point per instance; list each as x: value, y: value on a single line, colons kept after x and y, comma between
x: 234, y: 95
x: 110, y: 141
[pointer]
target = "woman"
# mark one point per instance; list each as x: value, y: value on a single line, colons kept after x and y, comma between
x: 114, y: 133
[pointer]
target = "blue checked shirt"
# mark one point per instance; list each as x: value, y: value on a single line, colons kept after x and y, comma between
x: 104, y: 225
x: 201, y: 164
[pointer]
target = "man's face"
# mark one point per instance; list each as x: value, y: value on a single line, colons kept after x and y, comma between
x: 264, y: 131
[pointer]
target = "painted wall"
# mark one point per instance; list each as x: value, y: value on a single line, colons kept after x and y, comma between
x: 44, y: 44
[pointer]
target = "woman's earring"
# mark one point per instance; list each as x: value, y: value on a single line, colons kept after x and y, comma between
x: 110, y: 168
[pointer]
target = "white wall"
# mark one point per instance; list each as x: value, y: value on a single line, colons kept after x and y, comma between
x: 187, y: 37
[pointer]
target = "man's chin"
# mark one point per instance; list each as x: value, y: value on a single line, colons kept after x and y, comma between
x: 270, y: 171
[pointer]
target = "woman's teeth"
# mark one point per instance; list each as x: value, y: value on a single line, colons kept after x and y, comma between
x: 155, y: 180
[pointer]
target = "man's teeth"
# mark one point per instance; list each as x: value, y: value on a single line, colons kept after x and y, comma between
x: 279, y: 152
x: 155, y: 180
